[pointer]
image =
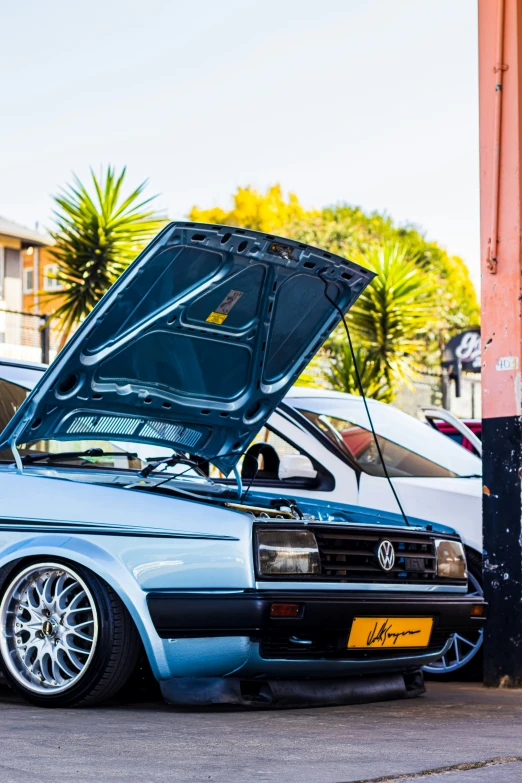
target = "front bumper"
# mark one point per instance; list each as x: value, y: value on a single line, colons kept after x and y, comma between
x: 236, y: 633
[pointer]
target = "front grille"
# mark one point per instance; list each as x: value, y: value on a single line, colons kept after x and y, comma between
x: 322, y: 645
x: 351, y: 555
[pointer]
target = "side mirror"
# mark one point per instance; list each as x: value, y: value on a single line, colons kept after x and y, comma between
x: 296, y: 466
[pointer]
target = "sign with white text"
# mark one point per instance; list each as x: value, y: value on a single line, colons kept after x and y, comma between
x: 463, y: 351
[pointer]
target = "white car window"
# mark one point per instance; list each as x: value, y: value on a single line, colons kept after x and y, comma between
x: 11, y: 397
x: 21, y: 375
x: 359, y: 445
x: 397, y: 427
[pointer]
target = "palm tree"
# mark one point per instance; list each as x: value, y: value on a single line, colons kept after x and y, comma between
x: 340, y: 373
x: 394, y: 314
x: 97, y: 235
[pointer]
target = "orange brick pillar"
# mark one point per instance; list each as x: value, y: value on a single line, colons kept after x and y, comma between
x: 500, y: 86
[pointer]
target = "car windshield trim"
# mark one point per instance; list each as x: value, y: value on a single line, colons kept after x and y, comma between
x: 56, y: 456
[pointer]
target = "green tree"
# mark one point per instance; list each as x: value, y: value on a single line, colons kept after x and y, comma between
x: 394, y: 315
x: 340, y: 372
x: 97, y: 235
x: 350, y: 232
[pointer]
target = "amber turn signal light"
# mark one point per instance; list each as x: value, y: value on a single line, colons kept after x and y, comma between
x: 285, y: 610
x: 478, y: 610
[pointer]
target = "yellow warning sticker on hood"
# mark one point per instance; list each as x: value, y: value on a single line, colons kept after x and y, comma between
x: 216, y: 318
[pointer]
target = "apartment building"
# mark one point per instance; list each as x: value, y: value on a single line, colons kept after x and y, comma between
x: 26, y: 270
x: 25, y: 266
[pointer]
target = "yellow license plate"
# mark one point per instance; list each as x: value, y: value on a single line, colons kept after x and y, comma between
x: 376, y: 632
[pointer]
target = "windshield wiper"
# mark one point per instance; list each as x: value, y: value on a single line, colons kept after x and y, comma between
x: 67, y: 455
x: 175, y: 459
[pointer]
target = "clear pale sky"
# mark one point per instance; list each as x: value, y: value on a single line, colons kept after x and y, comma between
x: 373, y: 102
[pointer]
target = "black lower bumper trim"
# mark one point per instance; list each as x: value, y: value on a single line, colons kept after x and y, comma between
x: 281, y: 694
x: 202, y: 614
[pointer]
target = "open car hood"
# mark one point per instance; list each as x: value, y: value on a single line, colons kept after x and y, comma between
x: 195, y: 344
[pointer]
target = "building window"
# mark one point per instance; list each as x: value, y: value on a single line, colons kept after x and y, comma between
x: 50, y: 282
x: 28, y: 280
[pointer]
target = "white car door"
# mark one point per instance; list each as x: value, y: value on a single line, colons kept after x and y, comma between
x: 433, y: 413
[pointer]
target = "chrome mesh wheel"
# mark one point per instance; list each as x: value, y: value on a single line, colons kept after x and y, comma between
x: 464, y: 647
x: 49, y: 628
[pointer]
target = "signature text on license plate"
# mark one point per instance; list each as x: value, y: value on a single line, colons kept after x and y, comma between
x: 377, y: 632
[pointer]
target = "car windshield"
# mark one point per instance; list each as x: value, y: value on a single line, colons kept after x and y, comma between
x: 102, y: 454
x: 15, y: 385
x: 410, y: 446
x: 11, y: 397
x: 359, y: 444
x: 16, y: 381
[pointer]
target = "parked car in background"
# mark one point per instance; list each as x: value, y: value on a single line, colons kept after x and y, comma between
x: 235, y: 595
x: 466, y: 432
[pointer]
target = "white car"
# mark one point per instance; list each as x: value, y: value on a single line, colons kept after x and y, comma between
x: 320, y: 442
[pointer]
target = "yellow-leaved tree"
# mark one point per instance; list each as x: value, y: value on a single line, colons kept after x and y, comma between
x: 268, y: 211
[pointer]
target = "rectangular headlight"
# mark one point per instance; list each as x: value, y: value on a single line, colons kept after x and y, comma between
x: 287, y: 552
x: 451, y: 560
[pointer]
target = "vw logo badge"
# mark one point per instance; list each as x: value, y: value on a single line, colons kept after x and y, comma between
x: 386, y: 555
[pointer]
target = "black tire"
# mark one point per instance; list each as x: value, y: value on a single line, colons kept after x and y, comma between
x: 117, y: 646
x: 472, y: 671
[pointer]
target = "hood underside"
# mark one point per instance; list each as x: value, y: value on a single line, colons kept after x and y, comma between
x: 195, y: 344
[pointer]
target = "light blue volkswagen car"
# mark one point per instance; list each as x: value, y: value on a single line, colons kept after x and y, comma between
x: 129, y: 526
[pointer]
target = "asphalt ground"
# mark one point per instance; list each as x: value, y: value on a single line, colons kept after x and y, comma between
x: 456, y: 733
